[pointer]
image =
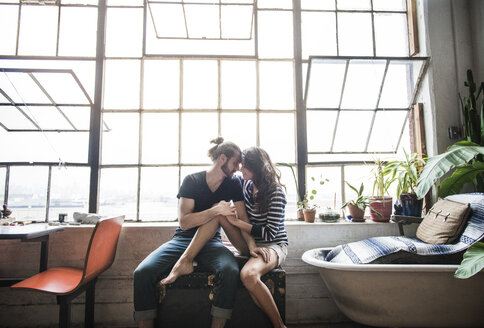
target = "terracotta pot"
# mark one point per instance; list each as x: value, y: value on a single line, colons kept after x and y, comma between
x: 382, y: 205
x: 300, y: 215
x: 309, y: 215
x: 358, y: 215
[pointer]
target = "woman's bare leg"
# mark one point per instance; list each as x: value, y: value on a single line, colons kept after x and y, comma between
x: 250, y: 276
x: 205, y: 232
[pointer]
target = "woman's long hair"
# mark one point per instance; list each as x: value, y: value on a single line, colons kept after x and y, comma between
x: 266, y: 177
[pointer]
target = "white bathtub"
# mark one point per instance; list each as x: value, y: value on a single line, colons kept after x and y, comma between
x: 402, y: 295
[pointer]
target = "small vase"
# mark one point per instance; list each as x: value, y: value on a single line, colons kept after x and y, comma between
x: 309, y: 215
x: 357, y: 214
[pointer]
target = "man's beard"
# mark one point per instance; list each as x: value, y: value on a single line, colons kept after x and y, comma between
x: 225, y: 170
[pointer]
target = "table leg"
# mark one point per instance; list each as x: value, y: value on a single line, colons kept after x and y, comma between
x: 44, y: 254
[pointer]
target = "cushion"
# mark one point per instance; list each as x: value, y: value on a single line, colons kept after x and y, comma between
x: 444, y: 222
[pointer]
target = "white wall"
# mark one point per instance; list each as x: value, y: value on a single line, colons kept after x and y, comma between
x: 307, y: 298
x: 451, y: 33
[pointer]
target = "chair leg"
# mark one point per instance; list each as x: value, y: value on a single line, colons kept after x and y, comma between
x: 64, y: 313
x: 89, y: 310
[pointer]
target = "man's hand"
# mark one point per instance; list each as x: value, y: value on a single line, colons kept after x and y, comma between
x: 224, y: 208
x: 262, y: 251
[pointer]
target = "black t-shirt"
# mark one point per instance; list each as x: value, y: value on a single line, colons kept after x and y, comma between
x: 195, y: 187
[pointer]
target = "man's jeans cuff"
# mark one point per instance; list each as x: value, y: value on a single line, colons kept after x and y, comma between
x: 221, y: 313
x: 144, y: 315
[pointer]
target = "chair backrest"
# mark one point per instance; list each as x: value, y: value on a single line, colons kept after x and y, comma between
x: 102, y: 247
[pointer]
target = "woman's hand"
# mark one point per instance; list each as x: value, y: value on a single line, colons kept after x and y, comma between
x: 225, y: 208
x: 262, y: 251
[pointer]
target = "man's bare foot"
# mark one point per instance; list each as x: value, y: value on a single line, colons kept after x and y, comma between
x: 182, y: 267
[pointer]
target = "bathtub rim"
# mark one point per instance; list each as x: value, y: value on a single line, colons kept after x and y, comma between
x: 310, y: 259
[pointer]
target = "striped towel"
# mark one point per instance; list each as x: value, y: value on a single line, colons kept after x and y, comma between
x: 368, y: 250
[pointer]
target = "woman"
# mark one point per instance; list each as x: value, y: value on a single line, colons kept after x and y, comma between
x: 262, y: 225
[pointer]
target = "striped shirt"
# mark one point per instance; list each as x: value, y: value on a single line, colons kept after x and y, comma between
x: 267, y: 228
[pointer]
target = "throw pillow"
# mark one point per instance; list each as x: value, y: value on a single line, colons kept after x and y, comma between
x: 444, y: 222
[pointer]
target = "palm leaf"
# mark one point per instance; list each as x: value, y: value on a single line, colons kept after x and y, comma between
x: 462, y: 175
x: 458, y: 154
x: 472, y: 263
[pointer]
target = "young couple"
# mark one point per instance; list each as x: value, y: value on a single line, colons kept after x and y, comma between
x: 254, y: 224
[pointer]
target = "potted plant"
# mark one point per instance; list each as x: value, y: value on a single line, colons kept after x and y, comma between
x: 465, y: 158
x: 309, y: 209
x: 381, y: 205
x: 357, y: 206
x: 406, y: 172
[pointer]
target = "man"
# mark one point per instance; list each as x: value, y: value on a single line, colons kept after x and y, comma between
x: 203, y: 196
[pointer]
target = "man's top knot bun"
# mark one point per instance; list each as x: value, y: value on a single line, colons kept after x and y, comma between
x: 217, y: 140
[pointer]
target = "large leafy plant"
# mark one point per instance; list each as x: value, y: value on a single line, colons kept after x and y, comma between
x: 466, y: 158
x: 406, y: 172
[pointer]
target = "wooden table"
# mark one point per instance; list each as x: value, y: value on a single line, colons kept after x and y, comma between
x: 29, y: 233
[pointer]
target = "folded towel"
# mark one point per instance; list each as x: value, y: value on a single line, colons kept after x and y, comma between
x: 368, y: 250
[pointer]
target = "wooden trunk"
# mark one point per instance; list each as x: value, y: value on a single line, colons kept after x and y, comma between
x: 187, y: 302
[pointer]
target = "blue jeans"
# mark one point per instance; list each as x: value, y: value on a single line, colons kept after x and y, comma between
x: 214, y: 256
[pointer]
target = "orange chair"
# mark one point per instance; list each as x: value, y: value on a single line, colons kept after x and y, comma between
x: 67, y: 283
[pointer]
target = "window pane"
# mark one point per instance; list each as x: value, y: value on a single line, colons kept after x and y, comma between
x: 124, y: 32
x: 320, y: 127
x: 318, y: 4
x: 118, y: 190
x: 352, y: 131
x: 121, y: 89
x: 200, y: 84
x: 186, y: 170
x: 12, y: 118
x: 167, y: 19
x: 363, y: 83
x: 328, y: 194
x: 277, y: 136
x: 400, y: 83
x: 239, y: 128
x: 21, y: 88
x: 28, y: 192
x: 34, y: 40
x: 237, y: 21
x: 275, y: 34
x: 326, y: 84
x: 78, y: 28
x: 390, y: 5
x: 287, y: 179
x: 47, y: 117
x: 62, y: 88
x: 68, y: 146
x: 44, y: 146
x: 353, y: 4
x: 238, y: 83
x: 8, y: 26
x: 120, y: 143
x: 202, y: 21
x: 386, y: 130
x: 318, y: 34
x: 197, y: 131
x: 391, y: 35
x: 159, y: 187
x: 355, y: 34
x: 79, y: 116
x: 282, y: 4
x: 69, y: 191
x: 276, y: 85
x: 161, y: 87
x: 160, y: 138
x: 3, y: 172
